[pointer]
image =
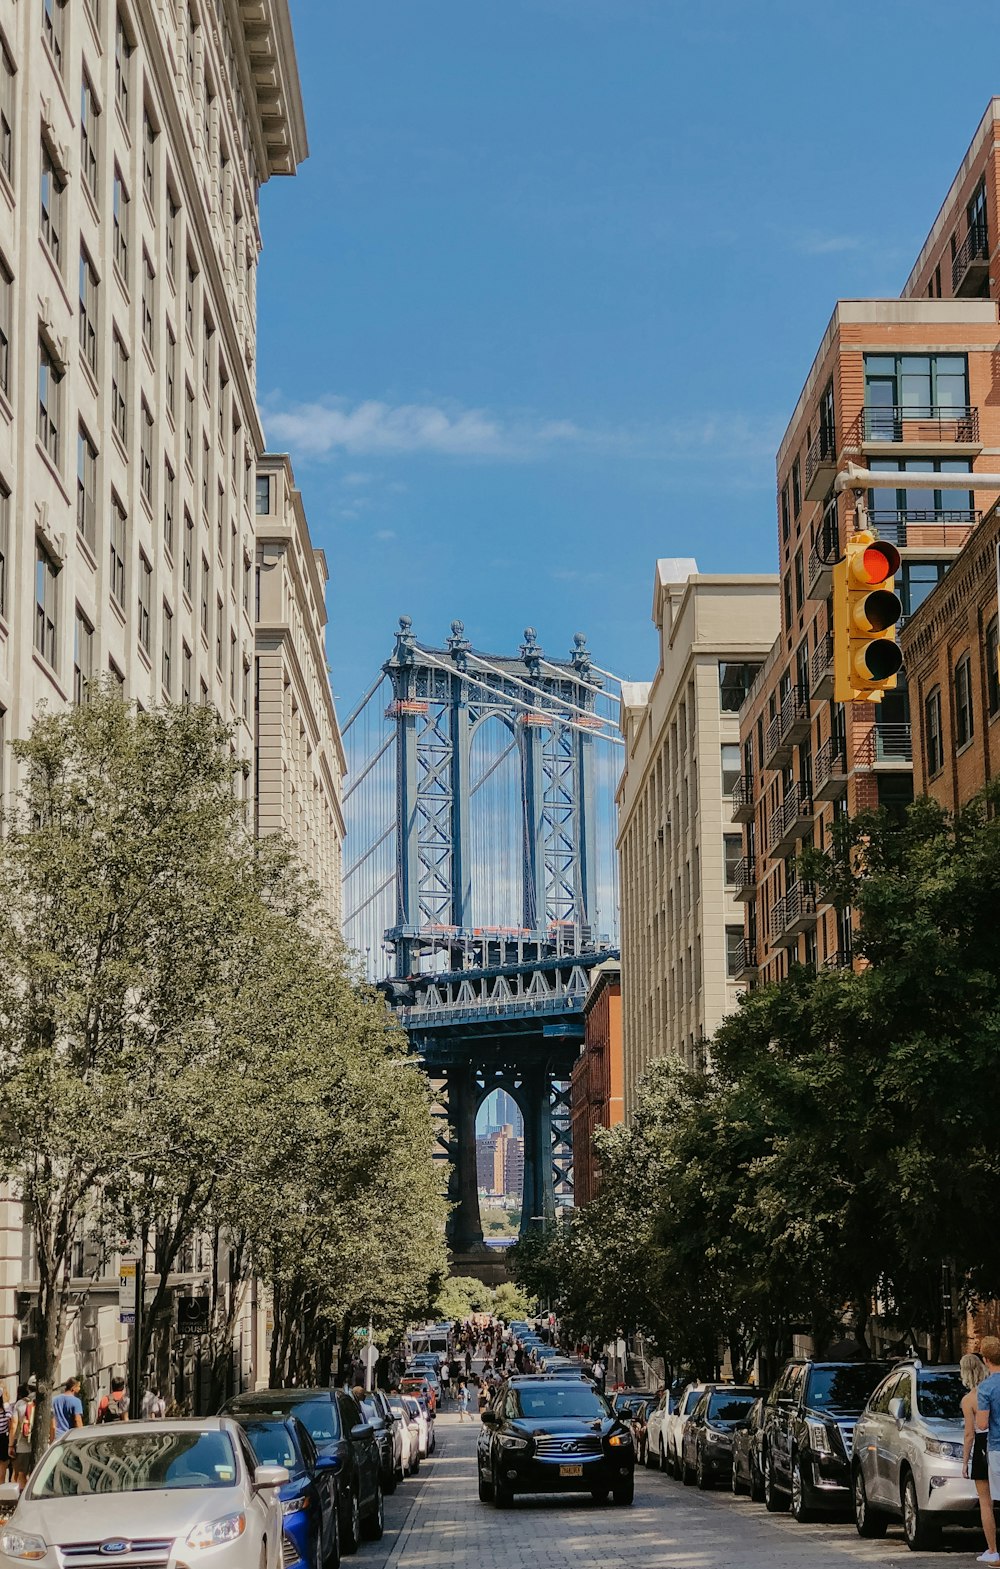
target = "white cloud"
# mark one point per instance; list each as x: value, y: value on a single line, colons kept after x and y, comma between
x: 357, y: 479
x: 386, y: 534
x: 813, y: 243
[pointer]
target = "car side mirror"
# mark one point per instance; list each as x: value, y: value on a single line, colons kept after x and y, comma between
x: 897, y: 1409
x: 327, y: 1463
x: 267, y: 1476
x: 489, y: 1418
x: 361, y: 1432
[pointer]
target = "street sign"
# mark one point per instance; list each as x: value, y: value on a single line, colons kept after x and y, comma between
x: 126, y: 1318
x: 128, y: 1272
x: 369, y: 1356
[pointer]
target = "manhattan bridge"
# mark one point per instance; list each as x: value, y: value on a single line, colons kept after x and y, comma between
x: 481, y: 885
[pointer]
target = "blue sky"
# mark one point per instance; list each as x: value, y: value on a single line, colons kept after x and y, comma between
x: 536, y: 309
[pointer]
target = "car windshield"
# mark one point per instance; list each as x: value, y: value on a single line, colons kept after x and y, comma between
x: 135, y: 1463
x: 939, y: 1393
x: 317, y: 1413
x: 724, y: 1407
x: 690, y: 1401
x: 628, y: 1402
x: 371, y: 1412
x: 844, y: 1388
x: 273, y: 1444
x: 558, y: 1400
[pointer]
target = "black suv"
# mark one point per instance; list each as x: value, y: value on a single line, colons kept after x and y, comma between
x: 808, y: 1431
x: 554, y: 1435
x: 344, y: 1442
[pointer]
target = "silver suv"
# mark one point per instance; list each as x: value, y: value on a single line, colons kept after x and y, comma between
x: 907, y: 1461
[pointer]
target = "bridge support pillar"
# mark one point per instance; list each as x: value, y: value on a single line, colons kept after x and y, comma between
x: 539, y: 1203
x: 465, y: 1226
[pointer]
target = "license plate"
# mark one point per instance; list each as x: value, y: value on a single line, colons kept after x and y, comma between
x: 571, y: 1470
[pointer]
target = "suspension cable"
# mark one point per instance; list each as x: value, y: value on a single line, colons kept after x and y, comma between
x: 362, y: 858
x: 532, y: 708
x: 365, y: 902
x: 493, y: 767
x: 370, y: 764
x: 355, y: 711
x: 548, y: 697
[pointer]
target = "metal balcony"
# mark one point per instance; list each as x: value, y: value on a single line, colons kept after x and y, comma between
x: 821, y: 464
x: 821, y: 669
x: 843, y: 959
x: 830, y: 771
x: 747, y: 962
x: 825, y: 551
x: 742, y: 799
x: 792, y: 914
x: 793, y: 818
x: 886, y: 747
x: 744, y: 882
x: 935, y: 426
x: 936, y: 528
x: 790, y: 724
x: 970, y: 269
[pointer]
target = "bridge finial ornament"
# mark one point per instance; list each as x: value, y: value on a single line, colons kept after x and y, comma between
x: 531, y: 653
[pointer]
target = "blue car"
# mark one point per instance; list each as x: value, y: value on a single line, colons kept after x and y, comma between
x: 309, y: 1499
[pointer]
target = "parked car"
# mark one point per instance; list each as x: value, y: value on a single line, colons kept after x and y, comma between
x: 309, y: 1502
x: 421, y: 1387
x: 672, y: 1432
x: 627, y: 1401
x: 377, y: 1412
x: 807, y: 1443
x: 425, y: 1425
x: 549, y: 1435
x: 656, y: 1417
x: 333, y: 1420
x: 907, y: 1461
x: 638, y: 1425
x: 146, y: 1486
x: 409, y: 1432
x: 707, y: 1439
x: 746, y: 1475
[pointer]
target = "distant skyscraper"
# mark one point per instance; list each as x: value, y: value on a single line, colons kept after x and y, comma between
x: 502, y: 1109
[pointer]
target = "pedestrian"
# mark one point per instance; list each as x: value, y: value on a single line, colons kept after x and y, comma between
x: 975, y: 1464
x: 600, y: 1372
x: 463, y: 1400
x: 114, y: 1407
x: 67, y: 1408
x: 484, y: 1396
x: 988, y: 1422
x: 23, y: 1423
x: 6, y: 1436
x: 468, y: 1364
x: 154, y: 1407
x: 445, y: 1379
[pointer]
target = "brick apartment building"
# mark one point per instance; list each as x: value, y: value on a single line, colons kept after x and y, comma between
x: 908, y: 385
x: 596, y: 1086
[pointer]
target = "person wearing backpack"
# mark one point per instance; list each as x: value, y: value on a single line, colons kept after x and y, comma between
x: 114, y: 1407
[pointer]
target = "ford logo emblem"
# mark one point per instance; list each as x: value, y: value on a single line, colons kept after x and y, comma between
x: 116, y: 1545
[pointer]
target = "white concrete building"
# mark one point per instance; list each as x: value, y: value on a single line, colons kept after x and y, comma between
x: 678, y: 852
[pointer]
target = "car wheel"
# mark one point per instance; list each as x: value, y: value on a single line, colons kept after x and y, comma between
x: 735, y: 1483
x: 389, y: 1482
x: 700, y: 1474
x: 920, y: 1531
x: 503, y: 1493
x: 687, y: 1474
x: 756, y: 1482
x: 374, y: 1525
x: 350, y: 1536
x: 801, y: 1503
x: 485, y: 1490
x: 774, y: 1501
x: 623, y: 1492
x: 868, y: 1521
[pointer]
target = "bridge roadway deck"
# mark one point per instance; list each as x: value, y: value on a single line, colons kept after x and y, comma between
x: 435, y: 1521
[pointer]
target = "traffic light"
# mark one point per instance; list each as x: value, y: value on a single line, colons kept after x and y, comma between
x: 866, y: 655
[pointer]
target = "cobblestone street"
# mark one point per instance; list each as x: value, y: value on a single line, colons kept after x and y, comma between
x: 437, y: 1522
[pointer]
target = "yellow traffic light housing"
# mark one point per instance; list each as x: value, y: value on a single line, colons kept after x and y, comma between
x: 866, y: 655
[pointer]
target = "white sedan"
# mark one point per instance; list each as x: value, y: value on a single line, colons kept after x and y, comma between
x: 151, y: 1493
x: 656, y: 1418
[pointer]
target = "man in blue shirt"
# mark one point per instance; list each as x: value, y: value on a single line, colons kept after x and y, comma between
x: 988, y: 1421
x: 67, y: 1409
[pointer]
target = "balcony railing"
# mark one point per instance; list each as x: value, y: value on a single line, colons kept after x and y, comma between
x: 885, y: 745
x: 830, y: 770
x: 843, y: 959
x: 744, y: 877
x: 821, y: 464
x: 746, y: 961
x: 793, y: 913
x: 790, y: 724
x: 935, y: 424
x: 975, y: 248
x: 935, y: 528
x: 742, y: 799
x: 821, y: 668
x: 790, y: 821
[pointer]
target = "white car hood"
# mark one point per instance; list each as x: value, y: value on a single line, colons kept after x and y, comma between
x: 148, y: 1516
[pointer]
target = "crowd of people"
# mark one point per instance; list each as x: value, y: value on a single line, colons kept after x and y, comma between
x: 17, y: 1419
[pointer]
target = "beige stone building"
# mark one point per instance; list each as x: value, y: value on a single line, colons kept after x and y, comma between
x: 135, y: 136
x: 681, y: 928
x: 300, y: 756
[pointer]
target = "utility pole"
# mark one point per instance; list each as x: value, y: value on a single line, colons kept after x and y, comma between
x: 135, y: 1376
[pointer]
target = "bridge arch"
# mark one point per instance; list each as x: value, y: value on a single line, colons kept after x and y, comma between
x: 496, y: 821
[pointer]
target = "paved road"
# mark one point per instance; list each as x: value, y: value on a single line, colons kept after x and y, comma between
x: 436, y: 1521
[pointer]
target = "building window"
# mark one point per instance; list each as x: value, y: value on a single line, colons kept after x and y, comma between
x: 4, y: 553
x: 83, y: 658
x: 992, y: 671
x: 736, y: 677
x: 187, y: 555
x: 46, y: 586
x: 171, y: 373
x: 964, y: 717
x: 734, y: 950
x: 246, y: 585
x: 88, y: 312
x: 263, y: 495
x: 800, y: 585
x: 785, y: 519
x: 123, y: 68
x: 232, y: 668
x: 119, y: 389
x: 6, y: 113
x: 146, y: 453
x: 173, y: 222
x: 192, y: 275
x: 49, y: 399
x: 148, y: 301
x: 796, y: 487
x: 932, y: 733
x: 246, y: 691
x: 148, y: 159
x: 118, y: 546
x: 120, y: 205
x: 167, y: 670
x: 917, y: 499
x: 218, y: 633
x: 730, y: 766
x: 145, y: 582
x: 86, y: 487
x: 169, y: 504
x: 918, y: 578
x: 54, y: 28
x: 189, y: 426
x: 186, y: 665
x: 6, y: 324
x: 51, y: 192
x: 901, y: 387
x: 204, y: 599
x: 90, y: 119
x: 733, y: 845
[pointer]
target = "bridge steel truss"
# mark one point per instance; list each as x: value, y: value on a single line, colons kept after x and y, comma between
x: 491, y: 1008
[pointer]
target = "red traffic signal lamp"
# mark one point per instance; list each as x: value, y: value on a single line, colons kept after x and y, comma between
x: 866, y: 609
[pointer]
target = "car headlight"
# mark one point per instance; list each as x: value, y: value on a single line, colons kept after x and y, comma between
x: 294, y: 1506
x: 213, y: 1533
x: 17, y: 1544
x: 620, y: 1441
x: 938, y: 1446
x: 508, y: 1442
x: 819, y: 1438
x: 712, y: 1437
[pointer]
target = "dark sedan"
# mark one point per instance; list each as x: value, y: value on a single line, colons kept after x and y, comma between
x: 308, y: 1499
x: 747, y: 1476
x: 344, y: 1441
x: 554, y: 1435
x: 707, y: 1440
x: 385, y: 1424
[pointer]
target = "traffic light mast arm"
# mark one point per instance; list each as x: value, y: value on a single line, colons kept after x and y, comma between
x: 855, y: 478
